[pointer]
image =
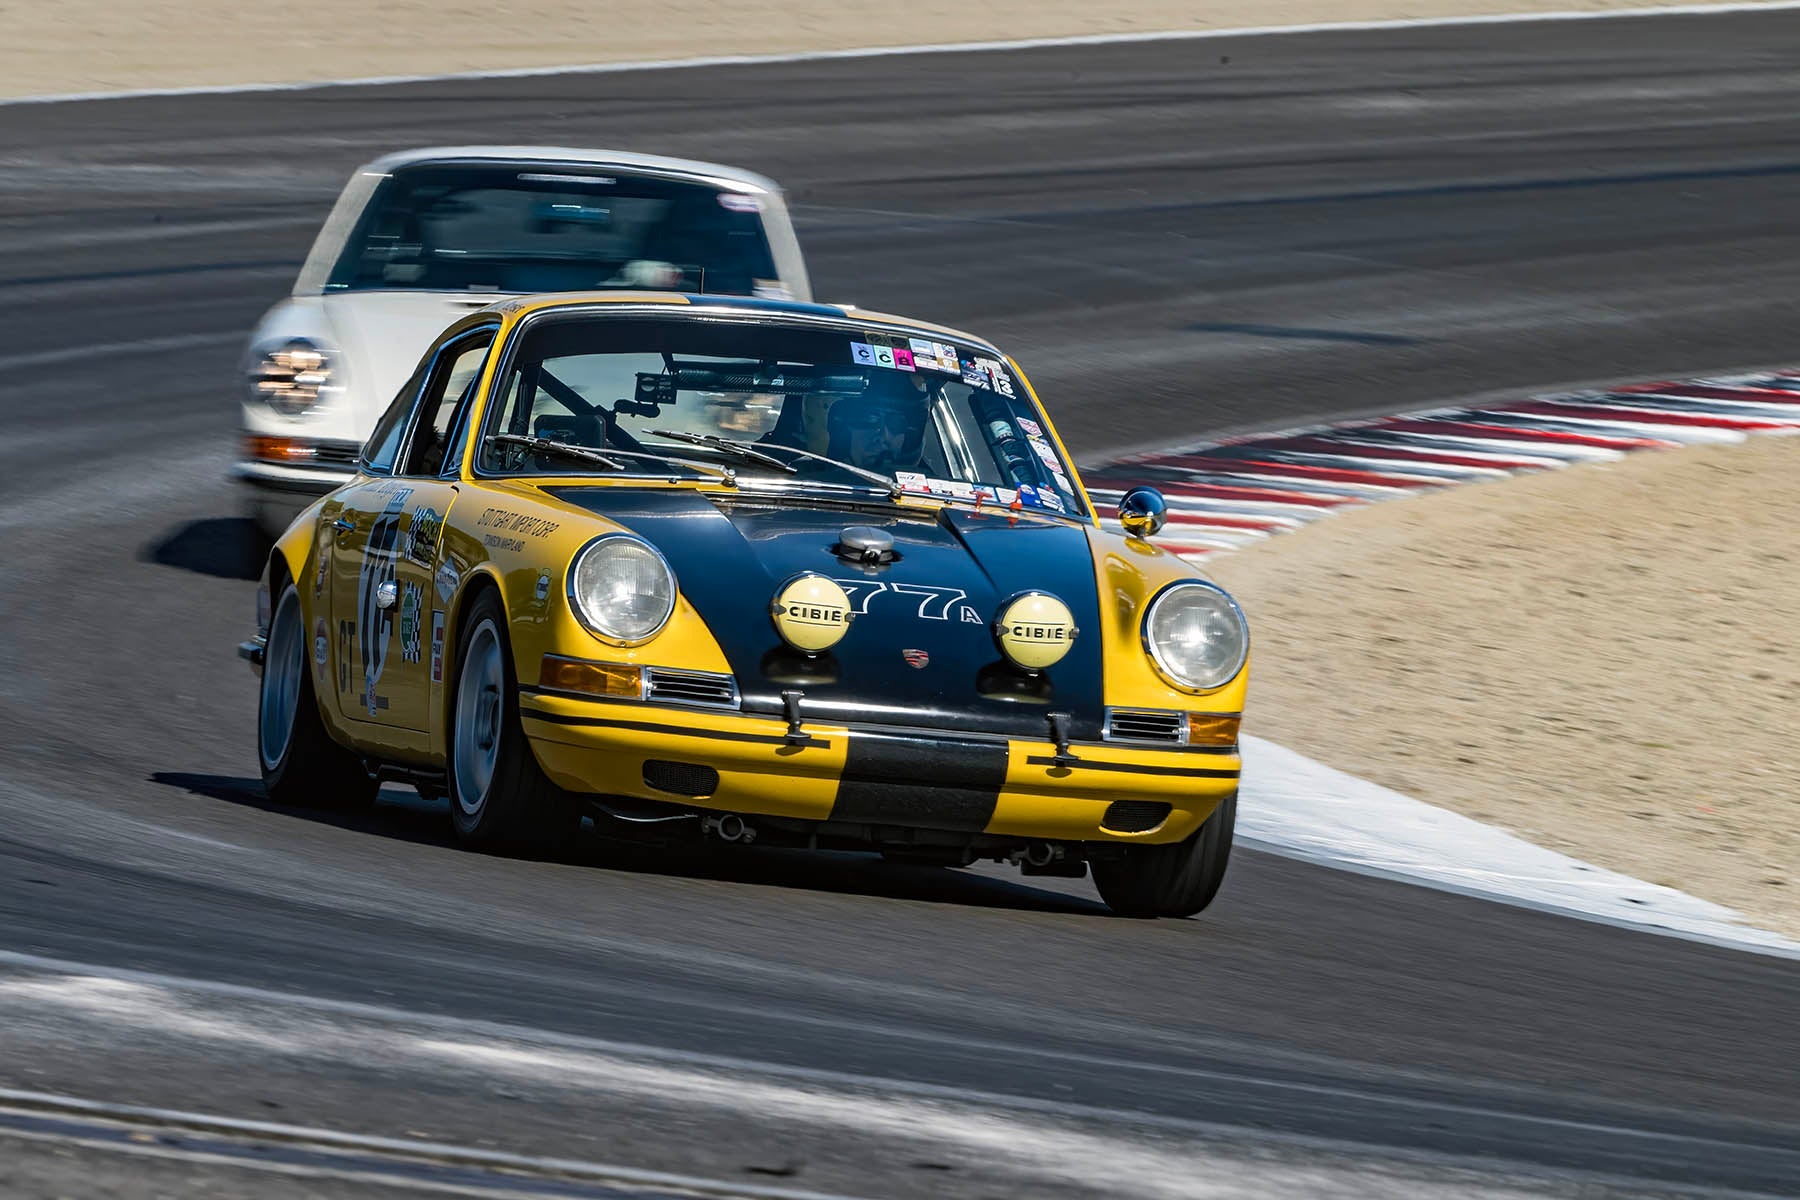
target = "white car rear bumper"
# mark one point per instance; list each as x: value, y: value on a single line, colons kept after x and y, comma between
x: 277, y: 493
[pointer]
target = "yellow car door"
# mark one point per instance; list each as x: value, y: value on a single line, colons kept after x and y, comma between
x: 388, y: 536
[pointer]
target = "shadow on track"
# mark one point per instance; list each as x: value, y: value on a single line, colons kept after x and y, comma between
x: 403, y: 816
x: 224, y: 547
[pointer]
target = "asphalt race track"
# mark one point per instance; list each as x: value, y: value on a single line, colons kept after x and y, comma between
x: 1176, y: 239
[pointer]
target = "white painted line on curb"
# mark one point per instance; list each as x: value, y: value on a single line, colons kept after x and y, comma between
x: 1290, y: 805
x: 1045, y: 43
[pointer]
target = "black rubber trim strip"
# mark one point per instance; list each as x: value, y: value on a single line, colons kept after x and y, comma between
x: 717, y: 735
x: 775, y: 739
x: 532, y: 689
x: 1086, y: 764
x: 1159, y: 747
x: 1010, y: 738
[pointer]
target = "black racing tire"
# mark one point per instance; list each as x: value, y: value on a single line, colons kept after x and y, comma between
x: 301, y: 765
x: 1176, y: 880
x: 500, y: 798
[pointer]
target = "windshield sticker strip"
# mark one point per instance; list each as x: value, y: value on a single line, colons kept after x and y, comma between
x: 997, y: 378
x: 934, y: 356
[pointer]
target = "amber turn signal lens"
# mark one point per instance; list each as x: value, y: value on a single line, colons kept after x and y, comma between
x: 1213, y: 729
x: 596, y: 679
x: 278, y: 449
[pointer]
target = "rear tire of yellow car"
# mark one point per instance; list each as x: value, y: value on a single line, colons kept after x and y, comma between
x: 302, y: 767
x: 500, y: 798
x: 1177, y: 880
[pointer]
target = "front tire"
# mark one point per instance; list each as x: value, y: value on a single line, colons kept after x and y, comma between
x: 301, y: 765
x: 1177, y: 880
x: 499, y: 797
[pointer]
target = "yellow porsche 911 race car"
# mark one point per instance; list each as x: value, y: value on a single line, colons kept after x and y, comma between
x: 765, y: 571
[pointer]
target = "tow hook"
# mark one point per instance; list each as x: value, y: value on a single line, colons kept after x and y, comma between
x: 1059, y: 737
x: 790, y: 708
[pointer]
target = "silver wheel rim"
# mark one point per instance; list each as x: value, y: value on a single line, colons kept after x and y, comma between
x: 480, y: 706
x: 284, y: 663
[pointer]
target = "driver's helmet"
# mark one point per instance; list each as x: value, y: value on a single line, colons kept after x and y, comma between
x: 883, y: 429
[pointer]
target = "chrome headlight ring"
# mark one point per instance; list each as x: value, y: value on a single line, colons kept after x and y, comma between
x: 621, y: 610
x: 1201, y: 663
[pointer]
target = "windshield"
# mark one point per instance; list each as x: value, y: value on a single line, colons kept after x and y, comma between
x: 508, y: 228
x: 794, y: 404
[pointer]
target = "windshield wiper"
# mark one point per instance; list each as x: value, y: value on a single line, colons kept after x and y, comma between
x: 713, y: 441
x: 758, y: 454
x: 609, y: 458
x: 551, y: 446
x: 888, y: 483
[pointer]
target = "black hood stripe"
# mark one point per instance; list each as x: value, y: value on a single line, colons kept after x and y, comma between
x: 955, y: 569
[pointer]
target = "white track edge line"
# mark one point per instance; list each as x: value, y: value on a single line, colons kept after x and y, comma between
x: 1042, y: 43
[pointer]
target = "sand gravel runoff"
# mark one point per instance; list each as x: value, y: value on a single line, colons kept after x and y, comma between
x: 78, y: 46
x: 1600, y: 659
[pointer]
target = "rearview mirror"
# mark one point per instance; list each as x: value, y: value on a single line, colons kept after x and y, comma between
x: 1143, y: 511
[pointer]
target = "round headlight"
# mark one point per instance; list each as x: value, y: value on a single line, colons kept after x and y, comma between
x: 289, y: 377
x: 622, y: 589
x: 1196, y: 635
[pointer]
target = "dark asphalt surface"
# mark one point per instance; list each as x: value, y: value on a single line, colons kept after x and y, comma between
x: 1175, y: 239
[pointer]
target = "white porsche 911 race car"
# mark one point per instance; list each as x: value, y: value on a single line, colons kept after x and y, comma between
x: 419, y: 238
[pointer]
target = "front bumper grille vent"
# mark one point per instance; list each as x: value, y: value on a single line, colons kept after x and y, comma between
x: 683, y: 779
x: 663, y: 685
x: 1146, y: 725
x: 1134, y: 816
x: 337, y: 454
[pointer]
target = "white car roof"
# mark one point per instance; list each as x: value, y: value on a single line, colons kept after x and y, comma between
x: 624, y: 159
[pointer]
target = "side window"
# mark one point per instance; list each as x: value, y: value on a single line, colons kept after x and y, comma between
x: 383, y: 446
x: 449, y: 389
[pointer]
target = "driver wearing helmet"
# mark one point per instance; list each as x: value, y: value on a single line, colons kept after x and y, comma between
x: 884, y: 428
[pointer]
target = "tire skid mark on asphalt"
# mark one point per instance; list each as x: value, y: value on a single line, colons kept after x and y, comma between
x: 268, y: 1147
x: 1293, y: 477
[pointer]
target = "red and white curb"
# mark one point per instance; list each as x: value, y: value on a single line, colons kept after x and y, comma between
x: 1229, y: 493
